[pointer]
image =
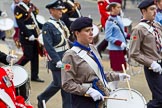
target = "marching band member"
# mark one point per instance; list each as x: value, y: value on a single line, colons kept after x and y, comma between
x: 82, y: 73
x: 70, y: 13
x: 25, y: 14
x: 55, y: 35
x: 116, y: 37
x: 16, y: 35
x: 104, y: 14
x: 158, y: 16
x: 146, y: 48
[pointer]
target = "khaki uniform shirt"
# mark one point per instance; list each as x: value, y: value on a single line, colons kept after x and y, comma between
x: 143, y: 45
x: 80, y: 72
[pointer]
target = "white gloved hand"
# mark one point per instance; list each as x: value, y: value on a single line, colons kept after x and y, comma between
x: 123, y: 76
x: 4, y: 14
x: 31, y: 38
x: 96, y: 95
x: 156, y: 67
x: 59, y: 64
x: 123, y: 45
x: 12, y: 58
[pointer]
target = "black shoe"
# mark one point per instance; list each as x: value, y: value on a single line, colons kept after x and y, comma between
x: 37, y: 80
x: 40, y: 104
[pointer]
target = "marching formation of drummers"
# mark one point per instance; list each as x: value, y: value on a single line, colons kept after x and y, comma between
x: 70, y: 43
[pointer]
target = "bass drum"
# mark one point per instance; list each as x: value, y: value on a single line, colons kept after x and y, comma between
x: 136, y: 101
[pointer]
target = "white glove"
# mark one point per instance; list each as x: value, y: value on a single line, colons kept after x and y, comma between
x: 31, y: 38
x: 59, y: 64
x: 4, y: 14
x: 123, y: 45
x: 12, y: 58
x: 123, y: 76
x: 96, y: 95
x: 156, y: 67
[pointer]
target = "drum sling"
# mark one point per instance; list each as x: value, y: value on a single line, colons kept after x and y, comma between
x: 83, y: 54
x: 95, y: 65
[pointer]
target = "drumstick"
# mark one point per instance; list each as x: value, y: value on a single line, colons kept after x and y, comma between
x: 106, y: 97
x: 44, y: 104
x: 12, y: 52
x: 127, y: 81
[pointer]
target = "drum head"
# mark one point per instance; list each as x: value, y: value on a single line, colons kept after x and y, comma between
x: 137, y: 101
x: 6, y: 24
x: 40, y: 19
x: 95, y: 30
x: 20, y: 75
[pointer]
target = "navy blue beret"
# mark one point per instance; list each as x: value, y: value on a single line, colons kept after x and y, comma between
x: 57, y: 4
x: 145, y: 3
x: 81, y: 23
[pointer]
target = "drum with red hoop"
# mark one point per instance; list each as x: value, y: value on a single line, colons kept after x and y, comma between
x: 20, y: 80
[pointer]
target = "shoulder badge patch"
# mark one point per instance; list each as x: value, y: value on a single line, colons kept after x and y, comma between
x: 18, y: 16
x: 67, y: 67
x: 134, y: 38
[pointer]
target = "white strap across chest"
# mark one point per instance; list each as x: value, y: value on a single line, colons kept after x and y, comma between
x: 59, y: 28
x: 32, y: 15
x: 148, y: 27
x: 83, y: 54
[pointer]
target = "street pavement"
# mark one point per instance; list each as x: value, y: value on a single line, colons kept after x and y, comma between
x: 89, y: 8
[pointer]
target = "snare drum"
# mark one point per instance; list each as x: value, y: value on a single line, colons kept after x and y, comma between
x: 137, y: 100
x: 95, y: 33
x: 127, y: 24
x: 6, y: 24
x: 20, y: 81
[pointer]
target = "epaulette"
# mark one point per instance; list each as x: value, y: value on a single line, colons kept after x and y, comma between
x: 19, y: 15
